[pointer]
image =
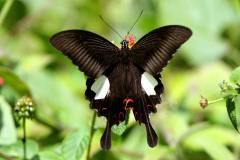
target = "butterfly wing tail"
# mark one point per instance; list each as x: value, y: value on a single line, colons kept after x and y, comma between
x: 152, y: 137
x: 106, y: 137
x: 144, y: 107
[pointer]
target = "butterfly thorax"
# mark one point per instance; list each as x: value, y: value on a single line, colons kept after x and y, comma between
x: 130, y: 75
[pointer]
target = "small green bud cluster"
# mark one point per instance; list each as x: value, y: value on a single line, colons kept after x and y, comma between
x: 229, y: 89
x: 24, y: 108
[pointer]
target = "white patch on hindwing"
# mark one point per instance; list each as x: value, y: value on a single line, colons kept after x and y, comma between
x: 101, y: 87
x: 148, y: 83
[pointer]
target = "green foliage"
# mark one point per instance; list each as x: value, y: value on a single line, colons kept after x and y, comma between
x: 8, y: 134
x: 12, y: 80
x: 15, y: 149
x: 235, y: 76
x: 74, y: 145
x: 233, y: 98
x: 119, y: 129
x: 49, y: 155
x: 233, y: 108
x: 206, y: 19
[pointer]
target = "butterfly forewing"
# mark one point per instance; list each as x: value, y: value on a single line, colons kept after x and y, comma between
x: 89, y: 51
x: 153, y: 51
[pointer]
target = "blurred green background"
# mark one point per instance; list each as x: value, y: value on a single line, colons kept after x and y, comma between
x: 60, y: 130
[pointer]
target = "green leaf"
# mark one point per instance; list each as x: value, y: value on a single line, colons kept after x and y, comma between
x: 16, y: 13
x: 217, y: 151
x: 35, y: 62
x: 119, y: 129
x: 63, y: 103
x: 32, y: 148
x: 16, y: 149
x: 74, y: 145
x: 228, y: 89
x: 101, y: 154
x: 235, y: 76
x: 11, y: 79
x: 49, y: 155
x: 215, y: 15
x: 213, y: 140
x: 8, y: 133
x: 233, y: 109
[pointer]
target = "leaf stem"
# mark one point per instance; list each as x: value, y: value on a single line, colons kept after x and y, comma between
x: 216, y: 100
x: 7, y: 5
x: 24, y: 139
x: 91, y: 135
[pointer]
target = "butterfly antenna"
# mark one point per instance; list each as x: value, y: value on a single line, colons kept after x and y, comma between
x: 135, y: 22
x: 110, y: 27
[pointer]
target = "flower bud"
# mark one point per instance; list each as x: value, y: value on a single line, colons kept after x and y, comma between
x: 24, y: 108
x: 203, y: 102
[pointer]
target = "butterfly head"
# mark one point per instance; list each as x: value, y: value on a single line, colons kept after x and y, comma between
x: 128, y: 41
x: 124, y: 44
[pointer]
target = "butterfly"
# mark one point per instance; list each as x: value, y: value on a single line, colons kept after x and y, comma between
x: 123, y: 78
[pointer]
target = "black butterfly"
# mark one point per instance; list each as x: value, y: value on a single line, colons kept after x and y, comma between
x: 123, y: 78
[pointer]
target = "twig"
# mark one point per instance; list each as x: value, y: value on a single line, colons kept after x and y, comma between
x: 5, y: 9
x: 91, y: 135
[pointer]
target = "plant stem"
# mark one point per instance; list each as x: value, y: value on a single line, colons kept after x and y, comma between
x: 91, y: 135
x: 7, y: 5
x: 216, y: 100
x: 24, y: 139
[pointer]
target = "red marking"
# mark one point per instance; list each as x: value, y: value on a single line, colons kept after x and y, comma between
x: 121, y: 116
x: 127, y: 101
x: 1, y: 81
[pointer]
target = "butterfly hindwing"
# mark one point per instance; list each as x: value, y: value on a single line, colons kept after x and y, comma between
x: 153, y: 51
x: 92, y: 53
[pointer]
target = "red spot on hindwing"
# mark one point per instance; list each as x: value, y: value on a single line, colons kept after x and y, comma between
x: 128, y: 103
